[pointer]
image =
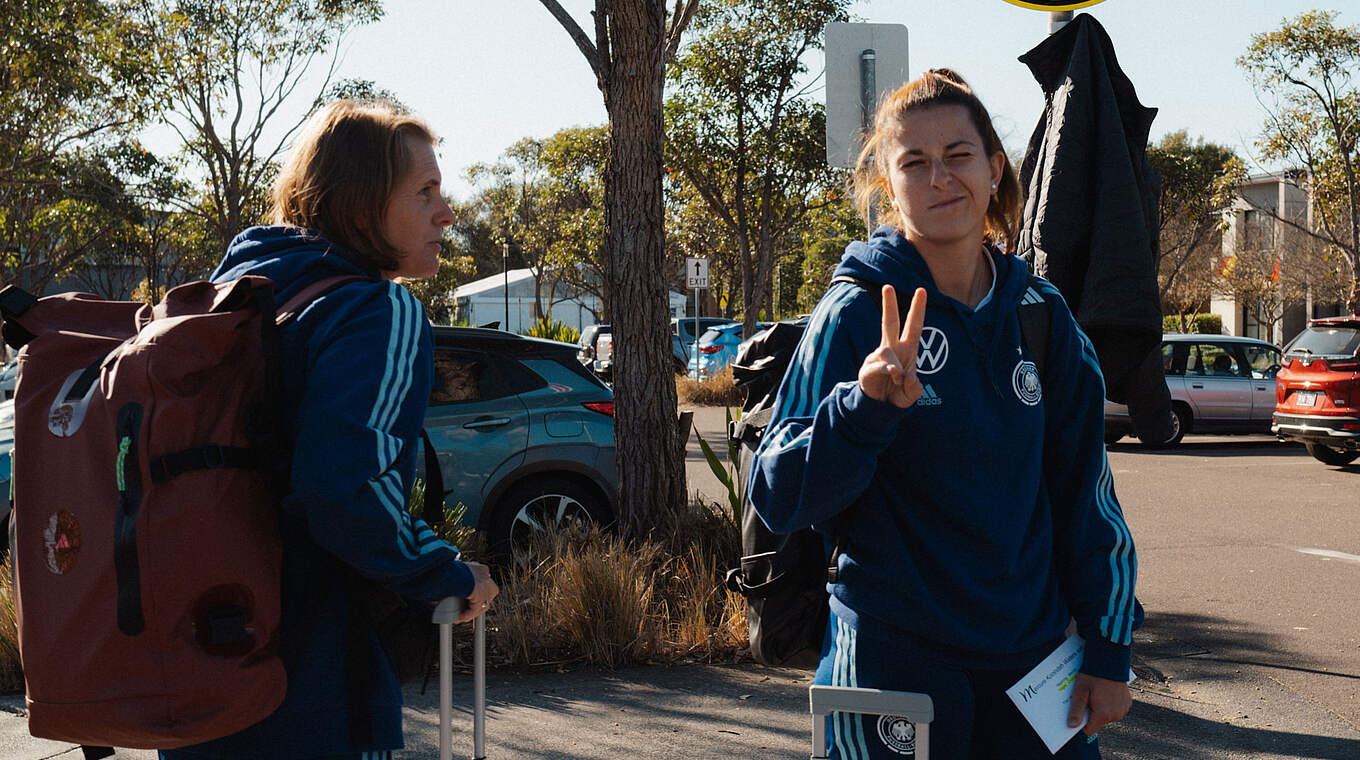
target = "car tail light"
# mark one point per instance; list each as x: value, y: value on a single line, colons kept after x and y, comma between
x: 709, y: 349
x: 603, y: 407
x: 1344, y: 365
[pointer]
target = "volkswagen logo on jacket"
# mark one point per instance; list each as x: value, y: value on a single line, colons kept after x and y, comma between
x: 933, y: 351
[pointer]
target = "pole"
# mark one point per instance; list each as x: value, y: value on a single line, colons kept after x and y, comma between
x: 695, y: 353
x: 505, y: 268
x: 1057, y: 20
x: 868, y: 100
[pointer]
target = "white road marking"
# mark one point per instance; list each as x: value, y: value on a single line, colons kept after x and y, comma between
x: 1329, y: 554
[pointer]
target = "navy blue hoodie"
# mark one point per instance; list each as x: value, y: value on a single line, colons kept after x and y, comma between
x: 358, y: 364
x: 983, y: 517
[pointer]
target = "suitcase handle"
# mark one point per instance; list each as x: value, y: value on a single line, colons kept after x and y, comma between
x: 917, y: 708
x: 445, y: 614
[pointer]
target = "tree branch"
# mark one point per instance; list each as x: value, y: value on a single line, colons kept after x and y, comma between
x: 679, y: 22
x: 579, y: 37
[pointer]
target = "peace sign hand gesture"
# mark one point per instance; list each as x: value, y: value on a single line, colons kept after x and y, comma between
x: 889, y: 373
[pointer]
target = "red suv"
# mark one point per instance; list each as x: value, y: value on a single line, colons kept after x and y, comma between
x: 1317, y: 391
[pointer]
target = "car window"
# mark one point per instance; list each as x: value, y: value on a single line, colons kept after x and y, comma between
x: 1173, y: 358
x: 1327, y: 340
x: 1212, y: 359
x: 1264, y: 361
x: 463, y: 376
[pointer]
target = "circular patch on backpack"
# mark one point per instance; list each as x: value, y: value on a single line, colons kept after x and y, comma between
x: 61, y: 542
x: 897, y: 734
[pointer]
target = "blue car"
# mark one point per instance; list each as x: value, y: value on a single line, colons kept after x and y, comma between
x: 683, y: 329
x: 717, y: 349
x: 524, y: 433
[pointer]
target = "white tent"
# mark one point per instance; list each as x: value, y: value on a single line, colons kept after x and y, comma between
x: 508, y: 299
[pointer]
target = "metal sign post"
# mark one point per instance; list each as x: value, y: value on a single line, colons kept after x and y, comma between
x: 863, y: 63
x: 696, y: 278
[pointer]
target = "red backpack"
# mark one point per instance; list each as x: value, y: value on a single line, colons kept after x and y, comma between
x: 147, y: 473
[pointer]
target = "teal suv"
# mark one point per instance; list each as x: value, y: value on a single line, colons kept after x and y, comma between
x: 524, y: 433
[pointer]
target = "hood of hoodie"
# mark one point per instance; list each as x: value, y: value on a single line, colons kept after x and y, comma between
x: 887, y: 257
x: 289, y: 256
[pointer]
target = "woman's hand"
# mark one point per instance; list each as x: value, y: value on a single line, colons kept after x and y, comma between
x: 1107, y: 700
x: 483, y: 591
x: 889, y: 373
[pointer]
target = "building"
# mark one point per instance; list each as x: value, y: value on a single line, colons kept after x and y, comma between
x: 1257, y: 222
x: 509, y: 300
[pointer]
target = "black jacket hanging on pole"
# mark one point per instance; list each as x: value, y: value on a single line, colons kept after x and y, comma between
x: 1090, y: 223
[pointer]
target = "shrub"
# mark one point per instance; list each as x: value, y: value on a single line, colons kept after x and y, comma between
x: 603, y: 600
x: 11, y: 673
x: 558, y: 331
x: 465, y: 537
x: 718, y: 390
x: 1200, y: 324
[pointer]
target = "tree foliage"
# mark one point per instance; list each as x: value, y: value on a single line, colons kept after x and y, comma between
x: 744, y: 134
x: 74, y: 82
x: 545, y: 199
x: 228, y: 68
x: 1305, y: 72
x: 1198, y: 182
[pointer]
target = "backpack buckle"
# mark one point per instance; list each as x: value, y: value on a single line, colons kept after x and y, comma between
x: 214, y: 456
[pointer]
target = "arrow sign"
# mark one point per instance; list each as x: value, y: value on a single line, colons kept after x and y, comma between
x: 696, y: 273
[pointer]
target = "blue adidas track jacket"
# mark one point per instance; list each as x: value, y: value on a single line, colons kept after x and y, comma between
x: 983, y: 517
x: 357, y: 364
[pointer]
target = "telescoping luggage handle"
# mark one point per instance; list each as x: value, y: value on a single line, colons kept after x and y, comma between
x: 917, y: 708
x: 444, y: 616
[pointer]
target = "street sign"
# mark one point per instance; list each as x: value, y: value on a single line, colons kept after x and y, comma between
x: 696, y: 273
x: 864, y: 62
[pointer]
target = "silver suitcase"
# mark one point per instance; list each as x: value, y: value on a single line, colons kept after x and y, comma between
x: 444, y: 615
x: 919, y: 709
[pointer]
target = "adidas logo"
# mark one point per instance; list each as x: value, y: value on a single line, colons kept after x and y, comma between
x: 929, y: 397
x: 1031, y: 297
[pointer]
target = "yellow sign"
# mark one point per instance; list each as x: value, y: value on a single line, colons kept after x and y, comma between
x: 1054, y: 5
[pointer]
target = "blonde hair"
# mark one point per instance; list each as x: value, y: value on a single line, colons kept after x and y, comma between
x: 341, y: 172
x: 937, y: 87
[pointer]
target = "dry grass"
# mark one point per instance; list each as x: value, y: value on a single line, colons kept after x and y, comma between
x: 718, y: 390
x: 599, y: 599
x: 11, y: 673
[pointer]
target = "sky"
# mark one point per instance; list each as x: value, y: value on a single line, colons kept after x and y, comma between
x: 485, y: 74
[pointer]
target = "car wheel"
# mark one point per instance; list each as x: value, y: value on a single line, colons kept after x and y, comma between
x: 1112, y: 435
x: 543, y: 502
x: 1180, y: 422
x: 1328, y: 455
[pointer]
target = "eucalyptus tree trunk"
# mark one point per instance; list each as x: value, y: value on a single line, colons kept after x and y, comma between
x: 632, y: 46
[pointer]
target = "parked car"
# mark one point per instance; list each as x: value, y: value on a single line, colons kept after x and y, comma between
x: 1317, y: 392
x: 717, y: 348
x: 1218, y: 384
x: 595, y: 350
x: 523, y: 433
x: 6, y: 446
x: 684, y: 329
x: 8, y: 374
x: 585, y: 351
x: 604, y: 356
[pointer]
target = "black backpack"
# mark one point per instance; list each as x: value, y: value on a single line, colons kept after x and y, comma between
x: 784, y: 576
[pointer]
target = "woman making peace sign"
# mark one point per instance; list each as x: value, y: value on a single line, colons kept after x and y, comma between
x: 982, y: 515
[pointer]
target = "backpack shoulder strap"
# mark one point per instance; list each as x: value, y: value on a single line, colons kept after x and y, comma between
x: 1035, y: 315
